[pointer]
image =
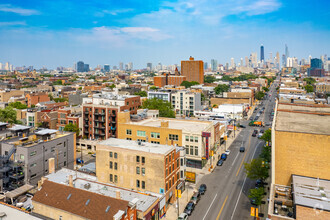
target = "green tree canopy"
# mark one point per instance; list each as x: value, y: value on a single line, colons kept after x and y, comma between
x: 141, y: 93
x: 188, y: 84
x: 72, y: 128
x: 112, y: 86
x: 256, y: 169
x: 242, y: 77
x: 310, y: 80
x: 8, y: 114
x: 265, y: 89
x: 209, y: 79
x: 60, y: 99
x: 221, y: 88
x: 309, y: 88
x: 165, y: 108
x: 266, y: 153
x: 153, y: 88
x: 17, y: 105
x: 58, y: 82
x: 257, y: 195
x: 267, y: 136
x: 259, y: 95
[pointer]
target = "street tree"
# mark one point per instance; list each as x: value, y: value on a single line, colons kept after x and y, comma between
x: 266, y: 153
x: 257, y: 194
x: 165, y: 108
x: 267, y: 136
x: 256, y: 169
x: 259, y: 95
x: 8, y: 114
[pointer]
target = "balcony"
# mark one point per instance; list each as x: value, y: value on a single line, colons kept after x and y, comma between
x: 102, y: 114
x: 86, y: 125
x: 96, y: 113
x: 102, y: 134
x: 86, y: 118
x: 86, y: 132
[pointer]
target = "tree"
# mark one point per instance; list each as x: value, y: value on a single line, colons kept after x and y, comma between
x: 57, y: 82
x: 153, y: 88
x: 8, y: 114
x: 17, y: 105
x: 259, y: 95
x: 267, y: 136
x: 221, y: 88
x: 188, y: 84
x: 256, y: 169
x: 257, y: 194
x: 266, y: 153
x: 141, y: 93
x: 60, y: 99
x: 209, y: 79
x: 112, y: 86
x: 310, y: 80
x: 309, y: 88
x: 72, y: 128
x: 165, y: 108
x: 265, y: 89
x: 51, y: 97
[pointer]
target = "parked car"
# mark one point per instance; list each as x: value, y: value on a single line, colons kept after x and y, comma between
x: 259, y: 183
x: 223, y: 156
x: 261, y: 131
x: 256, y: 118
x: 202, y: 189
x: 189, y: 208
x: 255, y: 132
x: 79, y: 161
x: 242, y: 149
x: 183, y: 216
x: 93, y: 155
x: 195, y: 198
x: 227, y: 152
x: 242, y: 126
x: 220, y: 162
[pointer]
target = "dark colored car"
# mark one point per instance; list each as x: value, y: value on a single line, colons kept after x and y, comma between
x: 242, y: 126
x: 195, y: 198
x: 220, y: 162
x: 242, y: 149
x: 259, y: 183
x: 79, y: 161
x: 202, y: 189
x: 253, y: 201
x: 255, y: 132
x: 189, y: 208
x: 256, y: 118
x: 251, y: 118
x: 223, y: 156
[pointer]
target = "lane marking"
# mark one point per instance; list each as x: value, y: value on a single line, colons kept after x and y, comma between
x: 223, y: 205
x: 244, y: 156
x: 210, y: 206
x: 242, y: 186
x: 235, y: 159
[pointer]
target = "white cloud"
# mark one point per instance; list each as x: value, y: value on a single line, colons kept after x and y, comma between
x: 259, y: 7
x: 113, y: 12
x: 12, y: 23
x: 17, y: 10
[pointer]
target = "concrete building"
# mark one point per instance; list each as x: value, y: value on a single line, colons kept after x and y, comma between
x: 166, y: 96
x: 139, y: 166
x: 38, y: 152
x: 193, y: 70
x: 100, y: 114
x: 186, y: 102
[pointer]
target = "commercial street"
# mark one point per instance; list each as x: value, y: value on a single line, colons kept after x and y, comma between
x: 227, y: 187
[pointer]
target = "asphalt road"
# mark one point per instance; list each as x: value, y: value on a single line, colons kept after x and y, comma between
x: 227, y: 187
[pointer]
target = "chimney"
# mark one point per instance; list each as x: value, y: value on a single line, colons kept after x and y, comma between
x: 164, y: 124
x: 191, y: 58
x: 70, y: 181
x: 39, y: 184
x: 118, y: 194
x: 51, y: 165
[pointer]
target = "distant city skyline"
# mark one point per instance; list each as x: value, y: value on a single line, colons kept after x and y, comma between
x: 60, y: 33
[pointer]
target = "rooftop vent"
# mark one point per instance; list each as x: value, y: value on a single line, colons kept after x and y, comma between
x: 108, y: 208
x: 69, y: 196
x: 87, y: 202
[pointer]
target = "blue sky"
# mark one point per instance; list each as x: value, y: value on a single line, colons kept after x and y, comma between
x: 58, y: 33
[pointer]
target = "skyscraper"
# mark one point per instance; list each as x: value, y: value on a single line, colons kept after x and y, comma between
x: 121, y: 66
x: 232, y: 63
x: 254, y: 59
x: 86, y: 67
x: 214, y: 65
x: 149, y: 66
x: 106, y: 68
x: 130, y: 66
x: 262, y: 53
x: 277, y: 59
x: 193, y: 70
x: 286, y: 55
x: 206, y: 65
x: 80, y: 66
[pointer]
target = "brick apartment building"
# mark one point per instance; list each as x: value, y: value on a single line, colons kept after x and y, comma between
x: 193, y: 70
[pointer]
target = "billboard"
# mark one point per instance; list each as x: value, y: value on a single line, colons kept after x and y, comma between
x: 190, y: 177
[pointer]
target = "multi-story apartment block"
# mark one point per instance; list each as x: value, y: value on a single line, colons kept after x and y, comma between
x: 165, y: 96
x: 35, y: 98
x: 100, y: 114
x: 167, y: 79
x: 193, y: 70
x: 138, y: 165
x: 66, y: 116
x: 166, y: 131
x: 185, y: 102
x: 31, y: 153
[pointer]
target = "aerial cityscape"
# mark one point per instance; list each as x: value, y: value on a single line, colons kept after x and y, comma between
x: 174, y: 110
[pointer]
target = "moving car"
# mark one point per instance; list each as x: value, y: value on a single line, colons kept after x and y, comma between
x: 242, y: 126
x: 220, y: 162
x: 227, y: 152
x: 223, y: 156
x: 195, y: 198
x: 189, y: 208
x: 202, y: 189
x: 255, y: 132
x: 242, y: 149
x: 79, y: 161
x: 183, y: 216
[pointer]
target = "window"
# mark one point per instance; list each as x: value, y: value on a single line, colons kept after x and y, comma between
x: 141, y: 140
x: 169, y: 184
x: 138, y: 159
x: 177, y: 163
x: 191, y: 138
x: 173, y: 180
x: 173, y: 167
x: 33, y: 165
x: 169, y: 158
x: 115, y: 155
x: 166, y: 174
x: 137, y: 170
x: 187, y: 149
x: 191, y: 150
x: 166, y: 186
x: 182, y: 162
x: 173, y: 137
x: 64, y: 163
x: 111, y: 178
x: 33, y: 175
x: 169, y: 169
x: 127, y: 103
x: 141, y: 133
x: 62, y: 115
x: 129, y: 139
x: 166, y: 160
x: 143, y: 171
x: 128, y: 131
x: 177, y: 175
x: 116, y: 178
x: 196, y: 139
x: 138, y: 183
x: 111, y: 165
x: 116, y: 166
x: 196, y: 151
x: 155, y: 142
x: 110, y: 154
x: 64, y: 154
x: 143, y: 160
x: 187, y: 138
x: 143, y: 185
x: 35, y: 152
x: 155, y: 135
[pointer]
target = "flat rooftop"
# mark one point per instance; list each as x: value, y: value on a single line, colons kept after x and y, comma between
x: 133, y: 145
x: 184, y: 125
x: 303, y: 119
x: 310, y: 192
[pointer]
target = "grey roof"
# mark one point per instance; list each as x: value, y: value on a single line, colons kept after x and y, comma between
x: 19, y: 127
x: 3, y: 123
x: 133, y: 145
x: 46, y: 131
x: 311, y: 192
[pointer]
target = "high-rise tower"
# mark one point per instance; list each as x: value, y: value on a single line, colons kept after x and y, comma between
x: 262, y: 53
